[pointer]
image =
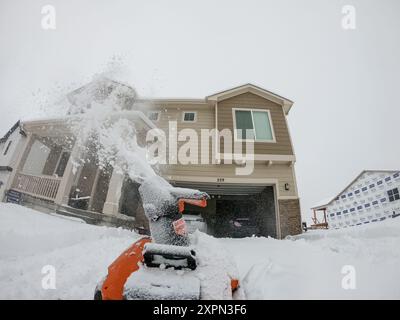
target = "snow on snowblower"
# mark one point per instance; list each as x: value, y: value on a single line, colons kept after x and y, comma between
x: 166, y: 266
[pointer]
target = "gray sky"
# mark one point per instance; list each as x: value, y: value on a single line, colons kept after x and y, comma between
x: 344, y: 83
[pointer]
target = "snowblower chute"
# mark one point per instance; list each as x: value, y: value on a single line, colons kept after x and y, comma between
x: 163, y: 266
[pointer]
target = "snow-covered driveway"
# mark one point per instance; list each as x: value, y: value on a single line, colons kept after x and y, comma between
x: 308, y: 266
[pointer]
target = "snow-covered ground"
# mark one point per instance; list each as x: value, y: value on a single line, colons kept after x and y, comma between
x: 308, y: 266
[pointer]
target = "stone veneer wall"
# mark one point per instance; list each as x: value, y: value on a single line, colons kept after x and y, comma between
x: 290, y: 217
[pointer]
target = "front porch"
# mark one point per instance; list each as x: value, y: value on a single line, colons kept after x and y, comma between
x: 46, y: 175
x: 42, y: 187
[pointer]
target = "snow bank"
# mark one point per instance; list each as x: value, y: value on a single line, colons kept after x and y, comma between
x: 310, y: 266
x: 80, y: 253
x: 304, y: 267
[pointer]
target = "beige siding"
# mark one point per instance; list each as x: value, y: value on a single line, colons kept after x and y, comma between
x: 250, y: 100
x: 205, y: 119
x: 282, y: 173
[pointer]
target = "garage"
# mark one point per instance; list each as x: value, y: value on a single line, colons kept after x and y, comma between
x: 236, y: 210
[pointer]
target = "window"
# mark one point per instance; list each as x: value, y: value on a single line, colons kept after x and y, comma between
x: 393, y: 194
x: 8, y: 147
x: 253, y: 124
x: 189, y: 117
x: 154, y: 115
x: 62, y: 164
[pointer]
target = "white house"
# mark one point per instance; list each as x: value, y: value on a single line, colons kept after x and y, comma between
x: 371, y: 197
x: 10, y: 148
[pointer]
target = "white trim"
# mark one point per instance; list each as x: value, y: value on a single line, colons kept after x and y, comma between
x: 189, y: 121
x: 228, y: 180
x: 295, y: 180
x: 235, y: 138
x: 257, y: 157
x: 288, y: 130
x: 217, y: 138
x: 226, y: 94
x: 288, y: 198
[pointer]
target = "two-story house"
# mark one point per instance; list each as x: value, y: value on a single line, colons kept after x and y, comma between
x: 234, y: 144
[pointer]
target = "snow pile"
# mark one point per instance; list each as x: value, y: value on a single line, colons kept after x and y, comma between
x: 313, y: 265
x: 80, y: 253
x: 215, y: 268
x: 305, y: 267
x: 157, y: 284
x: 211, y: 280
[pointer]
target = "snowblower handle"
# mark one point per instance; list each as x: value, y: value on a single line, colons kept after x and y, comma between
x: 196, y: 202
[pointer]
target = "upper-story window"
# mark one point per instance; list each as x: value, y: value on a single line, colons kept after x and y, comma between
x: 154, y: 115
x: 189, y: 116
x: 393, y: 194
x: 7, y: 148
x: 253, y: 124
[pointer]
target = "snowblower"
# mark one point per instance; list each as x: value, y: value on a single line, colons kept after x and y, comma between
x: 163, y: 266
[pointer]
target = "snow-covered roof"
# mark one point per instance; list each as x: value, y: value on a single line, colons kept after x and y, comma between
x: 132, y: 114
x: 324, y: 203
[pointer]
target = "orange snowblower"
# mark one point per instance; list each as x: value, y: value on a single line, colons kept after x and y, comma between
x: 147, y: 269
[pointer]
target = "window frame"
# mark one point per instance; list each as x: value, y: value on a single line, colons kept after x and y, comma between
x: 158, y: 115
x: 189, y: 121
x: 236, y: 139
x: 393, y: 194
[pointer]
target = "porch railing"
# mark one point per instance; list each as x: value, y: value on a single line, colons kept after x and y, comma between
x: 44, y: 187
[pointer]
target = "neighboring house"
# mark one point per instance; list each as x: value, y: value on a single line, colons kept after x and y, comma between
x: 264, y: 203
x: 371, y: 197
x: 10, y: 145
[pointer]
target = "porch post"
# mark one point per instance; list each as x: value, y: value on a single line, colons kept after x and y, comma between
x: 111, y: 206
x: 21, y: 158
x: 62, y: 197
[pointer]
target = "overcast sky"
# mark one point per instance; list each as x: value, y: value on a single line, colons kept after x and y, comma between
x: 345, y: 83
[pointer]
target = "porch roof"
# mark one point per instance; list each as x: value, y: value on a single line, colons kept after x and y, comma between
x: 55, y: 127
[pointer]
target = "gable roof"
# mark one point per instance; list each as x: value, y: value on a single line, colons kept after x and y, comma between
x: 328, y: 201
x: 226, y: 94
x: 9, y: 132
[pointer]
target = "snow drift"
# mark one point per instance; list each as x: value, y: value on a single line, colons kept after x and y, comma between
x: 304, y: 267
